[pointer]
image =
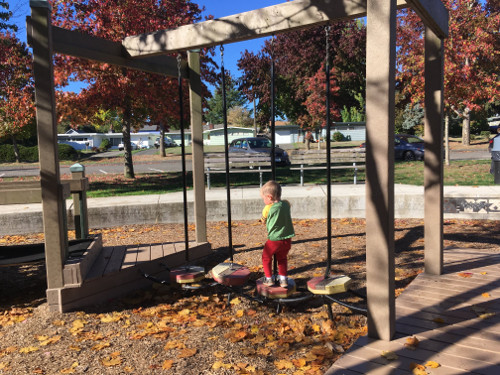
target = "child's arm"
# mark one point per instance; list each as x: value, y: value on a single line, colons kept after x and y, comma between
x: 265, y: 213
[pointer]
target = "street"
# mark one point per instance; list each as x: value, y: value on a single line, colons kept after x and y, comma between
x: 168, y: 165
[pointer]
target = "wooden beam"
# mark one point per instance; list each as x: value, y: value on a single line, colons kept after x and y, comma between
x: 78, y: 44
x: 289, y: 16
x: 434, y: 15
x: 380, y: 98
x: 433, y: 159
x: 198, y: 166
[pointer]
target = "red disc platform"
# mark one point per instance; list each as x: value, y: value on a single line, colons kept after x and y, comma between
x: 187, y: 274
x: 275, y: 291
x: 230, y: 274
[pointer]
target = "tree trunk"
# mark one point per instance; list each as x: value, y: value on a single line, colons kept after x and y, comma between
x: 466, y: 127
x: 162, y: 142
x: 447, y: 139
x: 16, y: 149
x: 127, y: 146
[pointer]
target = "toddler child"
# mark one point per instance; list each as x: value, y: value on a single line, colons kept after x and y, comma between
x: 279, y: 232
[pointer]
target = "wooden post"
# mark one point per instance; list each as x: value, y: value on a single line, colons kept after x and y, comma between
x: 380, y: 81
x: 80, y: 203
x: 53, y: 203
x: 433, y: 172
x: 200, y: 211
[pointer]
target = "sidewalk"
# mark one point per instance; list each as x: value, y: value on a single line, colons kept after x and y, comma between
x: 308, y: 202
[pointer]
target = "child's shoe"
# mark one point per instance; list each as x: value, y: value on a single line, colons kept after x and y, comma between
x: 284, y: 282
x: 268, y: 281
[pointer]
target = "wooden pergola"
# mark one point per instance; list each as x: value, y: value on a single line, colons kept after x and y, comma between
x: 147, y: 52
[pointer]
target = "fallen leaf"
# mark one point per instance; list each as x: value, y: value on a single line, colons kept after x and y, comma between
x: 387, y: 354
x: 239, y: 313
x: 432, y: 364
x: 219, y: 354
x: 101, y: 346
x: 167, y: 364
x: 188, y: 352
x: 235, y: 301
x: 111, y: 361
x: 411, y: 343
x: 465, y: 274
x: 29, y: 349
x: 486, y: 295
x: 438, y: 320
x: 283, y: 364
x: 484, y: 273
x: 417, y: 369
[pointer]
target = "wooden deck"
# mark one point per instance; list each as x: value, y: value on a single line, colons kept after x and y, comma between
x: 108, y: 272
x: 455, y: 317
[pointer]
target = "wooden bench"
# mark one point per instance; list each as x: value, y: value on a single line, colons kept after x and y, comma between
x: 351, y: 158
x: 238, y: 163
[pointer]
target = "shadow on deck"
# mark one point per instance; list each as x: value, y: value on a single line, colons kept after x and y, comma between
x: 455, y: 317
x: 102, y: 273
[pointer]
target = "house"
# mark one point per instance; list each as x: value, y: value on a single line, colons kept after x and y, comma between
x: 215, y: 135
x: 352, y: 131
x: 86, y: 141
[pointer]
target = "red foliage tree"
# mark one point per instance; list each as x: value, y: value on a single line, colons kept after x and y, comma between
x: 471, y: 58
x: 137, y: 95
x: 298, y: 56
x: 17, y: 109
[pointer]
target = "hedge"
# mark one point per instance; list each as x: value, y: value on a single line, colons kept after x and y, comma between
x: 30, y: 154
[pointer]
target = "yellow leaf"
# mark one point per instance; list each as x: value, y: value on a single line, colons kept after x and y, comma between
x: 465, y: 274
x: 219, y: 354
x: 111, y: 361
x: 235, y: 301
x: 51, y: 340
x: 239, y: 313
x: 484, y: 273
x: 29, y: 349
x: 432, y: 364
x: 188, y: 352
x: 283, y: 364
x: 438, y: 320
x: 411, y: 343
x: 417, y: 369
x: 110, y: 318
x: 264, y: 351
x: 3, y: 365
x: 316, y: 327
x: 300, y: 362
x: 486, y: 295
x: 42, y: 338
x: 59, y: 323
x: 101, y: 346
x: 75, y: 348
x: 68, y: 371
x: 387, y: 354
x: 167, y: 364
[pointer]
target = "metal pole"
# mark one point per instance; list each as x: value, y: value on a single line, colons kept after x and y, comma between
x: 226, y: 155
x: 328, y: 158
x: 183, y: 150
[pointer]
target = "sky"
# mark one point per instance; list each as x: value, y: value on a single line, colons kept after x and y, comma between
x: 216, y: 8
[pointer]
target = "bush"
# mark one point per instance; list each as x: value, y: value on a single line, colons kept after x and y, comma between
x: 28, y: 154
x: 477, y: 127
x: 105, y: 145
x: 67, y: 152
x: 485, y: 134
x: 7, y: 154
x: 338, y: 137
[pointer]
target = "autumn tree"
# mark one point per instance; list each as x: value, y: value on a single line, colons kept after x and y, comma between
x: 215, y: 105
x: 471, y: 55
x: 298, y: 56
x: 16, y: 91
x: 240, y: 116
x: 136, y: 96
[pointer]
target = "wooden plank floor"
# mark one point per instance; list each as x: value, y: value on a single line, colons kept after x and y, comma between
x: 118, y: 270
x: 455, y: 317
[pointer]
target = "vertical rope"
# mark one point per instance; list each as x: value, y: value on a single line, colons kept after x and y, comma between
x: 328, y: 155
x: 226, y: 155
x: 183, y: 149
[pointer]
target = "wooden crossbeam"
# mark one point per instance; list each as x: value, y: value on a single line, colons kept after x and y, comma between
x: 78, y: 44
x: 434, y: 15
x: 289, y: 16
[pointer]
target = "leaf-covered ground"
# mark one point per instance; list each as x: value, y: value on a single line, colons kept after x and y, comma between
x: 167, y: 330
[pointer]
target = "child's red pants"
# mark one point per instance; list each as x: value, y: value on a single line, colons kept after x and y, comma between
x: 280, y: 249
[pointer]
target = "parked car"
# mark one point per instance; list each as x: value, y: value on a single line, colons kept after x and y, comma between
x: 407, y: 147
x: 259, y: 144
x: 168, y: 142
x: 132, y: 144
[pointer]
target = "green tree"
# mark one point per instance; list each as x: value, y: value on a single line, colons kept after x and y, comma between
x: 5, y: 16
x: 215, y: 105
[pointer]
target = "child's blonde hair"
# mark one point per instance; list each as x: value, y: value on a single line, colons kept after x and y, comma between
x: 273, y: 189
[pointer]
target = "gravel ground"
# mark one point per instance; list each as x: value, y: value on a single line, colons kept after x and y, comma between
x: 168, y: 330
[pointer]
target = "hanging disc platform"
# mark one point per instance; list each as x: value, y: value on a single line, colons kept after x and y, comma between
x: 187, y: 274
x: 275, y: 291
x: 230, y: 274
x: 330, y: 285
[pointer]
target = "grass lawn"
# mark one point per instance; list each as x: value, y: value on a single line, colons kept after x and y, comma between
x: 465, y: 172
